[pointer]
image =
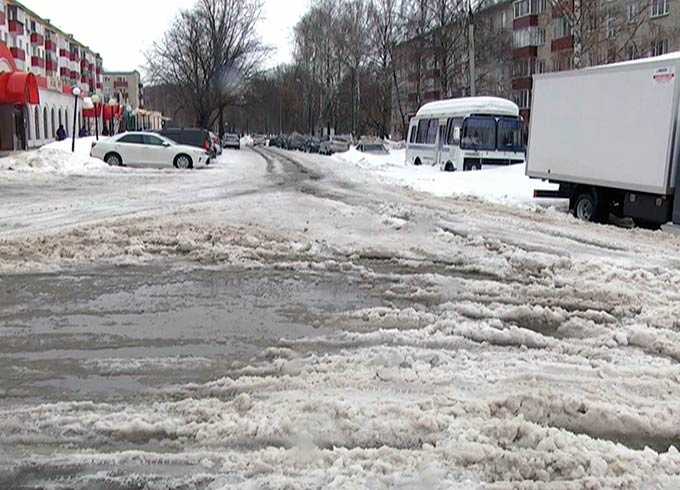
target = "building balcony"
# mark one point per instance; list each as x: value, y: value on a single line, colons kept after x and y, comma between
x: 3, y: 17
x: 74, y: 57
x: 37, y: 61
x: 16, y: 27
x: 37, y: 39
x: 51, y: 66
x: 524, y: 22
x: 19, y: 54
x: 100, y: 86
x: 99, y: 70
x: 63, y: 53
x: 527, y: 52
x: 65, y: 72
x: 562, y: 43
x: 522, y: 83
x: 50, y: 46
x: 74, y: 75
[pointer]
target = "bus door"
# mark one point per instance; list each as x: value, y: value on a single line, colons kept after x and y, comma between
x: 441, y: 141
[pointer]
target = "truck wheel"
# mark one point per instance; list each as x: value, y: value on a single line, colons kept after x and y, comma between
x: 587, y: 207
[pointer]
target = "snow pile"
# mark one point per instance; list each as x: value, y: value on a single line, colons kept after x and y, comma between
x: 55, y: 158
x: 247, y: 140
x: 504, y: 185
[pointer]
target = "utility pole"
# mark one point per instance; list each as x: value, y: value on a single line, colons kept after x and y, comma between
x: 471, y: 41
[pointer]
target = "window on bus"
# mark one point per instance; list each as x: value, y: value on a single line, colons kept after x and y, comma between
x: 454, y: 131
x: 423, y: 126
x: 433, y: 128
x: 479, y: 133
x: 510, y: 134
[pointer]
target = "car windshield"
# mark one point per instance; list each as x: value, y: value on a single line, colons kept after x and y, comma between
x: 510, y: 135
x: 374, y: 148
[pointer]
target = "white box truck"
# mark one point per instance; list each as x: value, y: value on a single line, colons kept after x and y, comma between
x: 610, y: 137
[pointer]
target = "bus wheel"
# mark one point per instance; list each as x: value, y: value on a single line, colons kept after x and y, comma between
x: 449, y: 167
x: 417, y: 163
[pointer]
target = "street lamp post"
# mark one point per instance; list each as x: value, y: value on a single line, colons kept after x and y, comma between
x: 96, y: 99
x: 76, y: 94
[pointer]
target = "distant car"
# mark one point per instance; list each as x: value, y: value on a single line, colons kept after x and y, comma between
x: 232, y: 141
x: 296, y: 142
x: 276, y: 141
x: 152, y: 149
x: 334, y: 145
x: 199, y: 138
x: 259, y: 140
x: 312, y: 145
x: 373, y: 148
x: 217, y: 147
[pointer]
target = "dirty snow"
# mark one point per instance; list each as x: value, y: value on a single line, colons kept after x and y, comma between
x: 505, y: 185
x: 505, y: 346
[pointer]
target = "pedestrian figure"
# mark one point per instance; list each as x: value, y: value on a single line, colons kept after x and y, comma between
x: 61, y: 133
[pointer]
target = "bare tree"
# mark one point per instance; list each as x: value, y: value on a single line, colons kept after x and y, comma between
x: 207, y: 54
x: 602, y: 31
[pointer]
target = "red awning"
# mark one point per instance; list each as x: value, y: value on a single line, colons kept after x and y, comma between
x: 19, y: 88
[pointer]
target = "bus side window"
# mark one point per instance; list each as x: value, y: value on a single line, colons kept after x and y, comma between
x: 423, y: 125
x: 455, y: 126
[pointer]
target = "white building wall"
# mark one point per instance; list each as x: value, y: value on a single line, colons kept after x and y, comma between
x: 50, y: 101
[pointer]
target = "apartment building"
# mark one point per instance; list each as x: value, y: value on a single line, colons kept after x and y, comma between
x: 553, y: 35
x: 421, y: 78
x: 41, y: 64
x: 126, y: 87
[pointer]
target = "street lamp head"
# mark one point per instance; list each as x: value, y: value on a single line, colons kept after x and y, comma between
x: 96, y: 99
x: 113, y: 102
x: 77, y: 91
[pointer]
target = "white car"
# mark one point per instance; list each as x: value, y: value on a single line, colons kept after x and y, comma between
x: 147, y: 149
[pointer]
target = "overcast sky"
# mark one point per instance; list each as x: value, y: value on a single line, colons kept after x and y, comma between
x: 121, y: 30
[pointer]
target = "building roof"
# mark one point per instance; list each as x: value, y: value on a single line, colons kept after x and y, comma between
x: 469, y: 105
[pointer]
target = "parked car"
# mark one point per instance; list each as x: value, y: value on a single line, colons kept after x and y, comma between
x: 259, y: 140
x: 217, y: 147
x: 199, y: 138
x: 276, y: 141
x: 152, y: 149
x: 312, y: 145
x: 296, y: 142
x: 333, y: 145
x: 373, y: 148
x: 232, y: 141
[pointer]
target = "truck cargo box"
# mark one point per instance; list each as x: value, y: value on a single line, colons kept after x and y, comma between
x: 615, y: 126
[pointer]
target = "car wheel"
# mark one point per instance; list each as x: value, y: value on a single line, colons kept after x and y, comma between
x: 449, y: 167
x: 417, y: 163
x: 114, y: 160
x: 183, y: 162
x: 467, y: 167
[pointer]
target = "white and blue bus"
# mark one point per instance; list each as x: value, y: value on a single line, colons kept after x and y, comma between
x: 466, y: 133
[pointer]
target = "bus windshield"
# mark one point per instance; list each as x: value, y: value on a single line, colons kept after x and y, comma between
x: 479, y: 133
x: 510, y: 135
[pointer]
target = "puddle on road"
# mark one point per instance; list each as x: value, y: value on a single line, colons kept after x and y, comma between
x: 114, y: 332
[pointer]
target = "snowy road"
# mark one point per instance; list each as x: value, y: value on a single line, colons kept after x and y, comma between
x: 281, y: 320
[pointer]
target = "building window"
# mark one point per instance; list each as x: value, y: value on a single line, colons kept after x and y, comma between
x: 528, y: 67
x: 660, y: 7
x: 46, y: 131
x: 633, y: 12
x: 660, y: 47
x: 37, y: 123
x: 522, y: 8
x: 523, y: 98
x: 561, y: 28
